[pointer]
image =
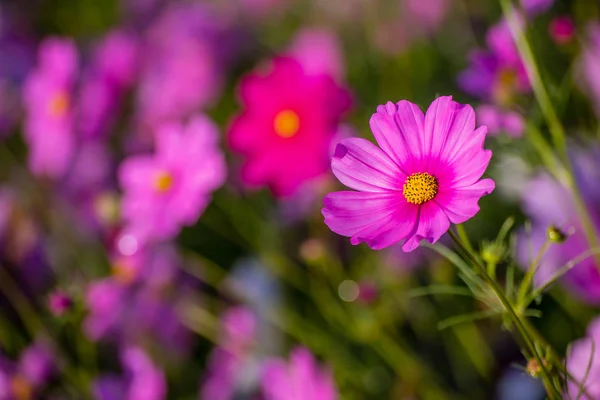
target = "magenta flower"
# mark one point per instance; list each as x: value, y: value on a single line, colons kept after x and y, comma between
x: 583, y: 353
x: 301, y: 379
x: 425, y: 175
x: 171, y: 188
x: 562, y: 29
x: 287, y: 124
x: 47, y: 97
x: 500, y: 120
x: 498, y: 74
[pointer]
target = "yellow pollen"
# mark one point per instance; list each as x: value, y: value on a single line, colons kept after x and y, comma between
x: 420, y: 187
x: 123, y: 273
x: 21, y: 388
x: 287, y: 123
x: 59, y: 103
x: 163, y: 181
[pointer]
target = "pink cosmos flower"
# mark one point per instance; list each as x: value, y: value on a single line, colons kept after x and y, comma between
x: 583, y: 363
x: 301, y: 379
x: 425, y: 175
x: 287, y: 124
x: 47, y: 100
x: 319, y: 52
x: 496, y: 74
x: 170, y: 189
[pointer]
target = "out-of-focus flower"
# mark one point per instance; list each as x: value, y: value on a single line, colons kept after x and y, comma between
x: 534, y: 7
x: 113, y: 69
x: 583, y: 363
x: 300, y: 379
x: 143, y: 380
x: 134, y: 302
x: 48, y: 126
x: 28, y: 376
x: 497, y: 74
x: 426, y: 14
x: 181, y: 71
x: 562, y: 29
x: 172, y: 187
x: 437, y: 159
x: 59, y: 302
x: 583, y: 280
x: 286, y: 126
x: 499, y: 120
x: 230, y: 363
x: 319, y: 52
x: 590, y: 65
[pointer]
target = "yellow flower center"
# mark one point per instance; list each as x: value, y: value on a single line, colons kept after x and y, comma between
x: 504, y: 86
x: 59, y: 103
x: 163, y: 181
x: 420, y: 187
x: 123, y: 273
x: 21, y: 389
x: 287, y: 123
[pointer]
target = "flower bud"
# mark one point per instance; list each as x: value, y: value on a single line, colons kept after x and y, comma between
x: 556, y: 235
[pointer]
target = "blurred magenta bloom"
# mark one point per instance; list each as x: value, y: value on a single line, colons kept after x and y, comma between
x: 228, y: 364
x: 583, y: 354
x: 499, y: 120
x: 590, y: 65
x: 496, y: 75
x: 534, y: 7
x: 142, y: 379
x: 562, y: 29
x: 47, y: 97
x: 285, y: 128
x: 425, y: 175
x: 28, y: 376
x: 319, y: 52
x: 583, y: 280
x: 181, y: 73
x: 59, y: 302
x: 300, y: 379
x: 171, y: 188
x: 114, y: 67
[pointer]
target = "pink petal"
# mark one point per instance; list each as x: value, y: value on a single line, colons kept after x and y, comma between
x: 360, y: 165
x: 398, y: 129
x: 137, y: 172
x: 460, y: 204
x: 449, y: 127
x: 431, y: 225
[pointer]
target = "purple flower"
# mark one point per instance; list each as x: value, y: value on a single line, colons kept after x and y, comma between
x: 590, y: 66
x: 142, y: 380
x: 534, y: 7
x: 47, y: 97
x: 37, y: 364
x: 499, y: 120
x: 59, y: 302
x: 301, y: 379
x: 583, y: 353
x: 497, y: 74
x: 171, y: 188
x: 553, y: 204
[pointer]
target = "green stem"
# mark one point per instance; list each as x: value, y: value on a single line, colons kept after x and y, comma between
x: 533, y: 267
x: 519, y: 322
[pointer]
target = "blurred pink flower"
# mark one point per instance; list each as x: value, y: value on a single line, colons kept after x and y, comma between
x: 426, y: 14
x: 286, y: 126
x: 301, y: 379
x: 113, y: 70
x: 59, y: 302
x: 48, y: 126
x: 319, y: 52
x: 562, y: 29
x: 534, y: 7
x: 497, y: 74
x: 171, y: 188
x: 590, y: 65
x: 499, y: 120
x: 583, y: 363
x: 142, y: 379
x: 437, y: 159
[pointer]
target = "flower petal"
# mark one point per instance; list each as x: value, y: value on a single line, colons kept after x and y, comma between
x: 360, y: 165
x: 431, y: 225
x: 460, y: 204
x: 398, y: 129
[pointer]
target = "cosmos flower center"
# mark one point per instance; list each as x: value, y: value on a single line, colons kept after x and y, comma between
x: 287, y: 123
x: 59, y: 103
x: 420, y: 187
x: 123, y: 273
x: 21, y: 388
x: 163, y: 181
